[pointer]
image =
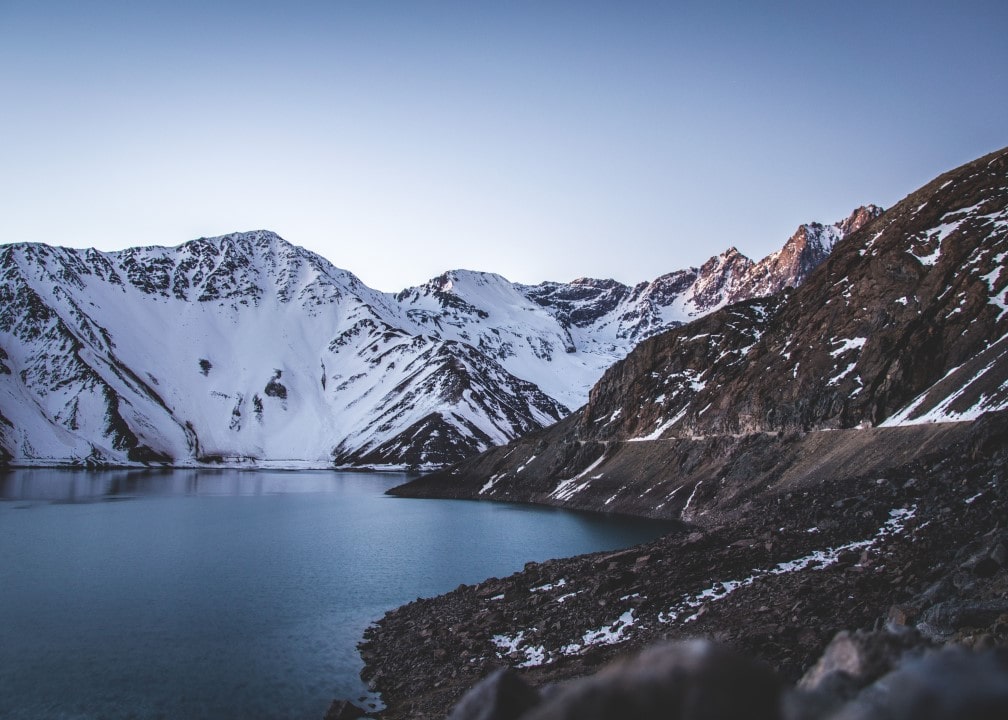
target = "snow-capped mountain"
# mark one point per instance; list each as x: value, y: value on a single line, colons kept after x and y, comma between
x: 562, y: 336
x: 893, y: 348
x: 246, y: 349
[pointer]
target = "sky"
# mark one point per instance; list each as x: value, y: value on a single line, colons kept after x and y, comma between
x: 539, y: 140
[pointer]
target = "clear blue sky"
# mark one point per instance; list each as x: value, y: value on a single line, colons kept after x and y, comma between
x: 541, y: 140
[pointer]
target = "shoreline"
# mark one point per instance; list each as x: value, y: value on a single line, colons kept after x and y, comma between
x: 777, y: 583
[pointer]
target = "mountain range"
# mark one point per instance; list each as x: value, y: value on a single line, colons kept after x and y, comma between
x: 887, y: 352
x: 831, y: 459
x: 245, y: 350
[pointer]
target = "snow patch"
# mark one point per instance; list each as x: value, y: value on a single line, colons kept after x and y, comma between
x: 612, y: 633
x: 941, y: 411
x: 567, y: 488
x: 689, y: 500
x: 816, y: 560
x: 511, y: 644
x: 490, y: 483
x: 562, y: 582
x: 848, y: 344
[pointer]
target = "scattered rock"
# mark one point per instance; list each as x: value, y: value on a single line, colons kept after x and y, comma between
x: 673, y: 681
x: 344, y: 710
x: 502, y: 695
x: 947, y: 685
x: 784, y: 619
x: 941, y: 621
x: 861, y: 657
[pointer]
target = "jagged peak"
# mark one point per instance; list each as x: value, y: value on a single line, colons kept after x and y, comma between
x: 730, y: 252
x: 728, y: 257
x: 858, y: 218
x: 597, y: 282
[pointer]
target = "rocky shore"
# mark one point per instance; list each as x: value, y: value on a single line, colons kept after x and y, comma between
x: 922, y: 546
x: 837, y: 452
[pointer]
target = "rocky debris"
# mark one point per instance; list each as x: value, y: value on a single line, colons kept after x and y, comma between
x: 903, y: 325
x: 344, y: 710
x: 502, y: 695
x: 946, y: 685
x: 913, y: 547
x: 871, y: 679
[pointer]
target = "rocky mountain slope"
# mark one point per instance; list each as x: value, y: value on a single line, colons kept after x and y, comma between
x: 244, y: 349
x: 835, y: 458
x: 918, y: 548
x: 903, y: 325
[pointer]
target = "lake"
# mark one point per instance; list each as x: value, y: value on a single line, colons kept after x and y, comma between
x: 234, y: 594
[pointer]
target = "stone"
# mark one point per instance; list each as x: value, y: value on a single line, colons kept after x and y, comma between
x: 986, y: 567
x: 669, y: 681
x: 1000, y: 554
x: 947, y: 685
x: 901, y: 614
x: 861, y: 657
x: 943, y: 619
x: 502, y: 695
x: 344, y: 710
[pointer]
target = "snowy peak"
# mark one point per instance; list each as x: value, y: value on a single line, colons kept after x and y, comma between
x: 719, y: 279
x: 904, y: 323
x: 802, y: 253
x: 245, y: 349
x: 858, y: 219
x: 237, y: 267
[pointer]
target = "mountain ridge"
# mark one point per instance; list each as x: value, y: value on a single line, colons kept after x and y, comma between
x: 246, y: 350
x: 904, y: 324
x: 833, y: 458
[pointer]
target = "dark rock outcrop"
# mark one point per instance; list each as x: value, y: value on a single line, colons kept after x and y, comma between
x: 344, y: 710
x: 904, y: 325
x: 700, y: 681
x: 777, y: 577
x: 502, y: 695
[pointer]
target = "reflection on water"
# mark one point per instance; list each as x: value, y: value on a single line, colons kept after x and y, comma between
x: 73, y: 486
x: 233, y: 594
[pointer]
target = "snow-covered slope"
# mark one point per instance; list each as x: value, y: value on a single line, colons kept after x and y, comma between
x: 236, y: 349
x: 563, y: 336
x: 245, y: 349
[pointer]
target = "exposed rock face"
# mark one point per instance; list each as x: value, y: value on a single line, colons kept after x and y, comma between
x: 905, y: 323
x: 244, y: 349
x: 803, y: 253
x: 909, y: 544
x: 693, y: 680
x: 837, y: 454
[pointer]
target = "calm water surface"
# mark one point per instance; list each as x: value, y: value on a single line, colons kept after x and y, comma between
x: 227, y: 594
